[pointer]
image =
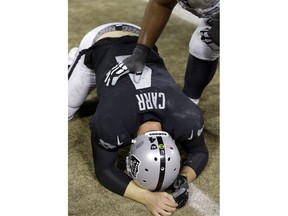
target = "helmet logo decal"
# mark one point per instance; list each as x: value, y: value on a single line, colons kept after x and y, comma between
x: 151, y: 139
x: 161, y: 146
x: 134, y: 166
x: 153, y: 161
x: 153, y: 147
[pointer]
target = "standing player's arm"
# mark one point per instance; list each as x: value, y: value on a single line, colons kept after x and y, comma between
x: 156, y: 16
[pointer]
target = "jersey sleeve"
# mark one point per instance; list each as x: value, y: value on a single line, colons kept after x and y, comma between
x: 106, y: 172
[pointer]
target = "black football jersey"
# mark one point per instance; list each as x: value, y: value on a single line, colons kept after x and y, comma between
x: 124, y: 107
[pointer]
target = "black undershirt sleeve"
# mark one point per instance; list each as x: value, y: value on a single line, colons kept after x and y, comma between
x: 107, y: 174
x: 197, y: 155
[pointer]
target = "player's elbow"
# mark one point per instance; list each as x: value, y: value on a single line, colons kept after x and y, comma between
x: 197, y: 161
x: 100, y: 176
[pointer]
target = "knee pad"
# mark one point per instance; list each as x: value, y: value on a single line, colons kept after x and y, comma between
x: 201, y: 46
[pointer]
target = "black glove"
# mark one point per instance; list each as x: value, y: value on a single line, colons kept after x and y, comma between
x: 214, y: 31
x: 211, y: 35
x: 180, y: 194
x: 133, y: 64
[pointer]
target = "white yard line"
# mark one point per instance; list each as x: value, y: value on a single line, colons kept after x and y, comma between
x: 202, y: 203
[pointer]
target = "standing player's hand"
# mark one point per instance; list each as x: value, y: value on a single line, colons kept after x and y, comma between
x: 214, y: 31
x: 133, y: 64
x: 160, y: 203
x: 211, y: 35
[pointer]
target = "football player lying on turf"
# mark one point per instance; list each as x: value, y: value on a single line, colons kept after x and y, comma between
x: 148, y: 115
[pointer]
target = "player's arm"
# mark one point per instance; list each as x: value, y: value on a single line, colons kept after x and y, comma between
x: 106, y: 172
x: 197, y: 158
x: 158, y: 203
x: 156, y: 16
x: 118, y: 182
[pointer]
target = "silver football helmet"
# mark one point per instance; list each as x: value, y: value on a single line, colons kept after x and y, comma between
x: 153, y: 161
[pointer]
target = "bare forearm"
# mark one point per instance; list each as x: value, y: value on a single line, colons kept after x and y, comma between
x: 157, y: 203
x: 134, y: 192
x: 189, y: 173
x: 156, y: 16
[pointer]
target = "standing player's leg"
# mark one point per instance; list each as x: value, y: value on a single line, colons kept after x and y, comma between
x: 202, y: 61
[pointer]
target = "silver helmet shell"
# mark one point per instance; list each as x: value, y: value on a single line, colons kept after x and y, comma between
x: 153, y: 161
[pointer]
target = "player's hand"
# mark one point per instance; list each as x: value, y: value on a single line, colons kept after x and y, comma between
x: 180, y: 191
x: 160, y: 203
x: 211, y: 35
x: 133, y: 64
x: 214, y: 31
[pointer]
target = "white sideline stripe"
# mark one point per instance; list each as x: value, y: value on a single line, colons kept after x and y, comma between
x: 202, y: 203
x: 184, y: 14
